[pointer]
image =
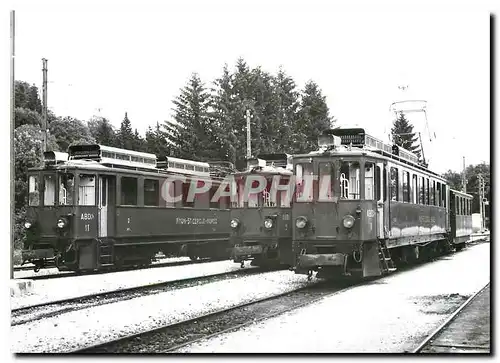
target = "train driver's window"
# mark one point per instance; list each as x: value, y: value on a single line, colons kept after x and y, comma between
x: 129, y: 191
x: 66, y: 188
x: 326, y: 180
x: 49, y: 196
x: 86, y: 190
x: 304, y: 179
x: 34, y: 191
x: 369, y: 181
x: 349, y: 180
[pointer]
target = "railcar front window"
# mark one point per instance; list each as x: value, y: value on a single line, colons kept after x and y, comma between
x: 49, y: 196
x: 34, y: 191
x: 66, y: 189
x: 349, y: 180
x: 326, y: 180
x: 264, y: 198
x: 304, y: 188
x: 86, y: 190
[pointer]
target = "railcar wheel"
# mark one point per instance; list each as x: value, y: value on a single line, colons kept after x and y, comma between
x: 459, y: 247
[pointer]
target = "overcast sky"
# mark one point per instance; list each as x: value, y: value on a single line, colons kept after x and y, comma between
x: 116, y: 60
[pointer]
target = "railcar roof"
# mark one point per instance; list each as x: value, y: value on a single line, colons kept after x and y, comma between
x: 96, y: 167
x: 356, y: 151
x: 265, y: 170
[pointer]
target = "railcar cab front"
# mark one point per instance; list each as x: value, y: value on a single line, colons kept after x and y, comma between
x: 338, y: 208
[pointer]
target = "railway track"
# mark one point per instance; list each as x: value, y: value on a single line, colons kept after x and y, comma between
x: 72, y: 273
x: 430, y: 345
x: 174, y: 336
x: 32, y: 313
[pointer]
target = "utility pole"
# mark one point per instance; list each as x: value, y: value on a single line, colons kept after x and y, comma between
x: 12, y: 123
x: 464, y: 181
x: 44, y: 109
x: 249, y: 136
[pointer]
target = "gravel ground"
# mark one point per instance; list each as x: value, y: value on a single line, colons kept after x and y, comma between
x: 80, y: 329
x: 173, y: 336
x: 393, y: 314
x: 27, y: 315
x: 70, y: 287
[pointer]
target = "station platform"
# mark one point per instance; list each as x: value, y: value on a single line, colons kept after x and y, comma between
x: 469, y: 331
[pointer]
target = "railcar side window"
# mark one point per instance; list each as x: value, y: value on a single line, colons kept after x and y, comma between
x: 211, y: 193
x: 377, y: 183
x: 414, y: 189
x: 151, y: 192
x: 369, y: 179
x: 421, y: 191
x: 34, y: 191
x: 426, y: 191
x: 185, y: 192
x: 49, y: 196
x: 349, y: 180
x: 394, y: 184
x: 66, y: 189
x: 304, y: 177
x: 432, y: 191
x: 443, y: 194
x: 168, y: 193
x: 326, y: 180
x: 129, y: 191
x: 438, y: 195
x: 456, y: 204
x: 406, y: 186
x: 86, y: 190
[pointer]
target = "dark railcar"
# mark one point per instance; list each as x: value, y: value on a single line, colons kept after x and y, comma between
x: 460, y: 218
x: 362, y: 206
x: 261, y: 221
x: 107, y: 207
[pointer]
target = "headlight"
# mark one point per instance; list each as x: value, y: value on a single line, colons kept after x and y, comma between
x: 348, y: 221
x: 235, y: 223
x: 268, y: 223
x: 27, y: 225
x: 301, y: 222
x: 61, y: 223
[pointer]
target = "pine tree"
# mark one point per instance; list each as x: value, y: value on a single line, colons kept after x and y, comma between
x: 102, y: 131
x: 191, y: 132
x: 403, y: 135
x: 312, y: 119
x: 125, y: 137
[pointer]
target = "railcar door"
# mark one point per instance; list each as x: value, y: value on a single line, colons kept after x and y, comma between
x: 103, y: 206
x: 379, y: 192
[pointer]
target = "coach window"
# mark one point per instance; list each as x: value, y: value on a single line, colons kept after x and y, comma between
x: 151, y: 192
x: 394, y: 184
x: 326, y: 180
x: 168, y: 193
x: 443, y: 194
x: 304, y: 189
x: 349, y: 180
x: 421, y: 190
x: 437, y: 201
x: 406, y: 187
x: 86, y: 190
x: 129, y: 191
x: 432, y: 192
x: 426, y: 191
x: 185, y: 194
x: 34, y: 191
